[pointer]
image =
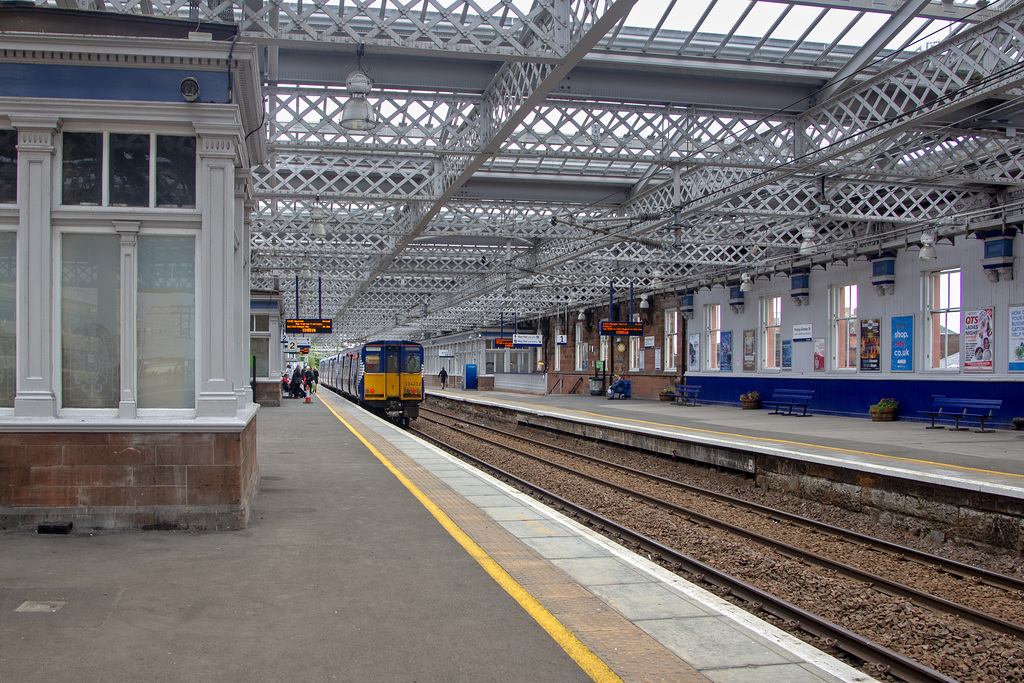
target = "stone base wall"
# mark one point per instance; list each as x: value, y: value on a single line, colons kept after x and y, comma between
x: 268, y: 393
x: 120, y: 480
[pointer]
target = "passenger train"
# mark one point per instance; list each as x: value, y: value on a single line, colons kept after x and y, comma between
x: 385, y: 377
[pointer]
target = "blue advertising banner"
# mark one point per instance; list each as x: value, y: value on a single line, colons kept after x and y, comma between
x: 787, y: 354
x: 902, y: 344
x: 725, y: 352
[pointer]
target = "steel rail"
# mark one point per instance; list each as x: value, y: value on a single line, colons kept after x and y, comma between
x: 891, y: 662
x: 990, y: 578
x: 877, y: 582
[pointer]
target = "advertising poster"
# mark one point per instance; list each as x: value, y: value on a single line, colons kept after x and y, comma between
x: 693, y: 353
x: 977, y: 351
x: 902, y: 359
x: 819, y: 353
x: 725, y: 352
x: 871, y: 345
x: 1017, y: 339
x: 787, y: 354
x: 748, y: 351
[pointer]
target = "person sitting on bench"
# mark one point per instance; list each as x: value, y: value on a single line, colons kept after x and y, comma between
x: 620, y: 387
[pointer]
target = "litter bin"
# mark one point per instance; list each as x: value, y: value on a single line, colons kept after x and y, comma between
x: 597, y: 386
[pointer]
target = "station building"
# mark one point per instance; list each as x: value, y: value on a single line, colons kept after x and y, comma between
x: 125, y: 153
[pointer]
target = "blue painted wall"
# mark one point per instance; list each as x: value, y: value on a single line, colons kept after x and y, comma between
x: 109, y: 83
x: 853, y: 396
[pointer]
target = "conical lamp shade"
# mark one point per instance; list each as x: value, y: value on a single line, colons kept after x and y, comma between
x: 357, y: 114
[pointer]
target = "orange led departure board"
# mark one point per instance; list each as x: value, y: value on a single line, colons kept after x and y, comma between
x: 503, y: 342
x: 621, y: 328
x: 308, y: 326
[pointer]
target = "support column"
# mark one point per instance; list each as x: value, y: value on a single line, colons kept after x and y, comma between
x: 244, y: 206
x: 129, y: 233
x: 37, y: 315
x: 216, y: 304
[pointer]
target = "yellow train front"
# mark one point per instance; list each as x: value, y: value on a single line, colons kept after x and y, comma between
x: 385, y: 377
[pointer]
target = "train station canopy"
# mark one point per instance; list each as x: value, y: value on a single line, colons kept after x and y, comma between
x: 436, y: 165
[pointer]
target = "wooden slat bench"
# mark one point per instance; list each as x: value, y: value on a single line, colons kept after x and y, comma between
x: 980, y: 409
x: 685, y: 394
x: 790, y: 399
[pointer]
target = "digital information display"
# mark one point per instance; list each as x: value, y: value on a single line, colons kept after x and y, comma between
x: 621, y: 328
x: 308, y: 326
x: 503, y: 343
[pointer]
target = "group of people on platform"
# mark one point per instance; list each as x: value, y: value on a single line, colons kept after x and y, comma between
x: 300, y: 380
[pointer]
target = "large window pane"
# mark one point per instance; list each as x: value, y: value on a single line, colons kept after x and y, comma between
x: 129, y: 170
x: 166, y: 325
x: 259, y: 349
x: 175, y: 171
x: 82, y: 168
x: 8, y: 310
x: 90, y: 311
x: 8, y: 167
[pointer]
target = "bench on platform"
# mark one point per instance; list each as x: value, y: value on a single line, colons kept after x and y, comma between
x: 790, y: 399
x: 685, y: 394
x: 980, y: 409
x: 623, y: 392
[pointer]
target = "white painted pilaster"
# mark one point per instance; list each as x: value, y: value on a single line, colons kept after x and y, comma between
x: 38, y: 312
x: 129, y: 233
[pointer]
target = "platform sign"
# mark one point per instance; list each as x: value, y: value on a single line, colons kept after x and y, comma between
x: 527, y: 340
x: 504, y: 342
x: 621, y: 328
x: 308, y: 325
x: 296, y: 345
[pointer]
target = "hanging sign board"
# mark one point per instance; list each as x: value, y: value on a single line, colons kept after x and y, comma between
x: 503, y: 342
x: 308, y: 325
x: 527, y: 340
x: 621, y: 328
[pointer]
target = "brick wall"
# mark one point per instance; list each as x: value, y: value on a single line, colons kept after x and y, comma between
x: 114, y: 480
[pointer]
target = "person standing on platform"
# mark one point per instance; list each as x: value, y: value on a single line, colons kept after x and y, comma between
x: 316, y: 378
x: 443, y: 376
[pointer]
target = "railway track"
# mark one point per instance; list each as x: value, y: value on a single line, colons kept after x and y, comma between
x: 1010, y: 588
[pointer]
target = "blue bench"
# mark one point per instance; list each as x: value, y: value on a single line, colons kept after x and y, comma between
x: 790, y: 399
x: 685, y: 394
x: 980, y: 409
x: 622, y: 393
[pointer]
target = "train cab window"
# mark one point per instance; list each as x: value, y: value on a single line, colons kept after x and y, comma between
x: 412, y: 363
x: 372, y: 363
x: 393, y: 359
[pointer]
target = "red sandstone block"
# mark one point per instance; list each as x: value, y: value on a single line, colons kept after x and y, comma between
x: 105, y: 496
x: 48, y: 496
x: 96, y: 475
x: 14, y: 476
x: 214, y: 485
x: 86, y: 455
x: 158, y: 475
x: 31, y: 455
x: 228, y: 449
x: 160, y: 495
x: 190, y: 454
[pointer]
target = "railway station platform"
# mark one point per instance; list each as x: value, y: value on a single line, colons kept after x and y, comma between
x: 372, y: 556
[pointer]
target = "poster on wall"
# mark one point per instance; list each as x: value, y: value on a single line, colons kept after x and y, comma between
x: 748, y: 351
x: 977, y: 350
x: 819, y: 353
x: 657, y: 359
x: 693, y: 353
x: 902, y: 346
x: 871, y: 345
x: 725, y: 352
x: 802, y: 333
x: 787, y: 354
x: 1017, y: 339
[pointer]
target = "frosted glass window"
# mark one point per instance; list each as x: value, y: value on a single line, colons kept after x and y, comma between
x: 8, y: 167
x: 82, y: 168
x: 8, y: 311
x: 129, y: 170
x: 90, y: 318
x: 166, y: 325
x: 259, y: 349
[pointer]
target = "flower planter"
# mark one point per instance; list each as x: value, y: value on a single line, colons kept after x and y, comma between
x: 665, y: 397
x: 882, y: 414
x: 750, y: 405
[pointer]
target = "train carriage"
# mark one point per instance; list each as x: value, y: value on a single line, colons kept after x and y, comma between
x: 385, y: 377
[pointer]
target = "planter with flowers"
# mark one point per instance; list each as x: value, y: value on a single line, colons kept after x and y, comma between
x: 750, y: 401
x: 884, y: 410
x: 666, y: 395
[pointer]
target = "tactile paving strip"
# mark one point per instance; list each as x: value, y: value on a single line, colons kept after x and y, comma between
x: 624, y: 648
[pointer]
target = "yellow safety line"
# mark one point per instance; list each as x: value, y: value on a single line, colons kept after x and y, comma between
x: 769, y: 440
x: 566, y: 639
